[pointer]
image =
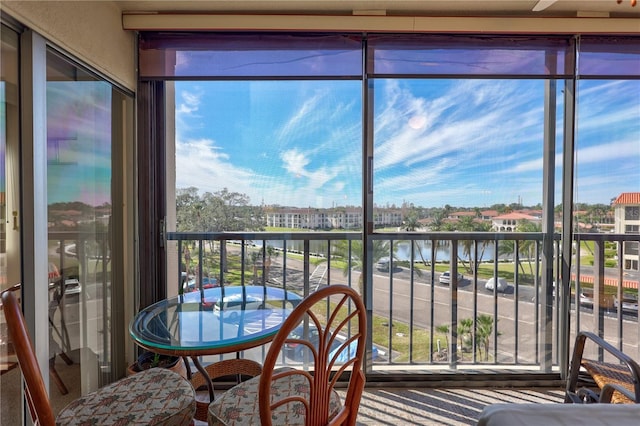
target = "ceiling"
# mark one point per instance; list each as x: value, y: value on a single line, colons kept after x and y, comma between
x: 502, y: 8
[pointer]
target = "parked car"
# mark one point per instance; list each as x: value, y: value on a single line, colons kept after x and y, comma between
x: 71, y: 286
x: 586, y: 299
x: 348, y: 352
x: 383, y: 264
x: 191, y: 284
x: 629, y: 304
x: 294, y: 351
x: 501, y: 286
x: 231, y: 306
x: 445, y: 277
x: 209, y: 282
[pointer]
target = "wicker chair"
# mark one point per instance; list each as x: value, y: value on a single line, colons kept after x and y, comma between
x: 153, y: 397
x: 228, y: 367
x: 8, y: 359
x: 294, y: 396
x: 615, y: 382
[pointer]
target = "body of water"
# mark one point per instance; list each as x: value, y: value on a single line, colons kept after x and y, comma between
x: 402, y: 252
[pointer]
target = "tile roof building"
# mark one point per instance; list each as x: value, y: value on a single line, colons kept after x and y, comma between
x: 509, y: 221
x: 627, y: 221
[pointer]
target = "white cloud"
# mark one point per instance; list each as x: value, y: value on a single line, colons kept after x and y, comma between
x: 303, y: 121
x: 621, y: 150
x: 202, y: 164
x: 472, y: 134
x: 190, y: 104
x: 597, y: 154
x: 295, y: 162
x: 186, y: 113
x: 470, y: 120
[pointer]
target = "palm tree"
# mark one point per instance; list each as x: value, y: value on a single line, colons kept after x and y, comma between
x: 468, y: 224
x: 352, y: 252
x: 465, y: 328
x: 254, y: 259
x: 525, y: 248
x: 411, y: 222
x: 484, y: 329
x: 271, y: 252
x: 437, y: 225
x: 528, y: 248
x: 443, y: 329
x: 438, y: 222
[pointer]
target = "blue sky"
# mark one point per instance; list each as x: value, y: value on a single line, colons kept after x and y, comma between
x: 466, y: 143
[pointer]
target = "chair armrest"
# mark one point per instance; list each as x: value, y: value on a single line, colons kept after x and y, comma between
x: 626, y: 364
x: 607, y: 392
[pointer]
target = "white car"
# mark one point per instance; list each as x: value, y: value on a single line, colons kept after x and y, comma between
x: 71, y: 286
x: 628, y: 305
x: 445, y: 277
x: 233, y: 305
x: 501, y: 287
x: 586, y: 299
x: 383, y: 264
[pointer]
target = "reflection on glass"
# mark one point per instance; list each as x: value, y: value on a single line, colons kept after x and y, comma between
x: 607, y: 189
x: 79, y: 148
x: 607, y: 142
x: 9, y: 219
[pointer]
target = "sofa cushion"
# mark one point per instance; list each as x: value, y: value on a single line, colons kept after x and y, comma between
x: 240, y: 404
x: 152, y: 397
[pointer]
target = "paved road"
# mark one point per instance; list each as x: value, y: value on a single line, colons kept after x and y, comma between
x: 395, y: 296
x: 514, y: 335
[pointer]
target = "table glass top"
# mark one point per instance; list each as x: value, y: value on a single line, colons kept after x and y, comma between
x: 213, y: 319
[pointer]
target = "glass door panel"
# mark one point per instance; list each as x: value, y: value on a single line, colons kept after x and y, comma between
x: 79, y: 178
x: 9, y: 217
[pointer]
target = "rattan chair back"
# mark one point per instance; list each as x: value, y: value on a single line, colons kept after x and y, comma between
x: 338, y: 314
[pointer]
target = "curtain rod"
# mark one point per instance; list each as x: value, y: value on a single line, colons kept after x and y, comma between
x: 145, y: 21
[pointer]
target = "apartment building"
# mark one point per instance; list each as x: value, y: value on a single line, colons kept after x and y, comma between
x: 509, y: 222
x: 627, y: 221
x: 330, y: 218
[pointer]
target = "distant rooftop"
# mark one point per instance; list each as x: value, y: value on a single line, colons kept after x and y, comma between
x: 516, y: 216
x: 628, y: 198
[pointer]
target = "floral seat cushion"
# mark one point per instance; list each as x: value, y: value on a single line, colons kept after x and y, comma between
x: 153, y: 397
x: 240, y: 404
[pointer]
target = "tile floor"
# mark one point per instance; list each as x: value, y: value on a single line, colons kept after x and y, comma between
x: 452, y: 407
x: 379, y: 406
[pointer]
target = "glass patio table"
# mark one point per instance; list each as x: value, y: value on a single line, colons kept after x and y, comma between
x: 213, y: 321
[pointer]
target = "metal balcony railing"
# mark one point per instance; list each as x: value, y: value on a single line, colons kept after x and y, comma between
x: 420, y: 319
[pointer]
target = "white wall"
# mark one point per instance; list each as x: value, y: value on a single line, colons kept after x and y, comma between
x: 90, y: 30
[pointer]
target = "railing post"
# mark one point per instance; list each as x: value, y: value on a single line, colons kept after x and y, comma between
x: 180, y: 283
x: 306, y: 268
x: 546, y: 320
x: 620, y: 297
x: 599, y: 297
x: 453, y: 297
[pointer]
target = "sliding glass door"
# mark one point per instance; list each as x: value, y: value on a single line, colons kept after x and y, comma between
x: 9, y: 213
